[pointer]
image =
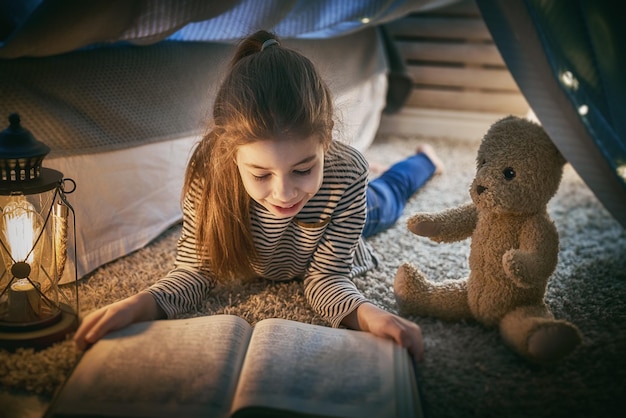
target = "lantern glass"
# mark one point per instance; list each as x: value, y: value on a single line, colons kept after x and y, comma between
x: 34, y: 308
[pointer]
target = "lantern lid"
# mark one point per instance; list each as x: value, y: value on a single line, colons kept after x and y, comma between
x: 17, y: 142
x: 48, y: 179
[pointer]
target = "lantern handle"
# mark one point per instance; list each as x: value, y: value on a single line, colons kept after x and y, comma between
x: 63, y: 187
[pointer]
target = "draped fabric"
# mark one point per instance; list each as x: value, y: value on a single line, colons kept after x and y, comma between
x: 568, y: 60
x: 103, y: 75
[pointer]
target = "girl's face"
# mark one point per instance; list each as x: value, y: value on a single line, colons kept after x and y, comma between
x: 282, y: 175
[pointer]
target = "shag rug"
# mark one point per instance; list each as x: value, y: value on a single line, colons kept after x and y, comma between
x: 467, y: 370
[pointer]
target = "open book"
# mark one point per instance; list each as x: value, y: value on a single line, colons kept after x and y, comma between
x: 220, y: 366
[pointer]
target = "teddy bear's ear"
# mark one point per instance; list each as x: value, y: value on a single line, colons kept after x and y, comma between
x: 559, y: 157
x: 514, y: 126
x: 509, y: 118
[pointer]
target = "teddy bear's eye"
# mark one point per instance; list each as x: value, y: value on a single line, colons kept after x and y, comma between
x: 509, y: 173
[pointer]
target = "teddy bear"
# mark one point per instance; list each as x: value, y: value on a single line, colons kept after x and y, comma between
x: 513, y: 248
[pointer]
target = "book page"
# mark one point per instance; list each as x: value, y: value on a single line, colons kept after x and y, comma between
x: 409, y: 401
x: 184, y: 367
x: 318, y: 370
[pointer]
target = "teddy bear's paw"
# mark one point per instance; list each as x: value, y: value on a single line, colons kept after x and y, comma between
x: 515, y: 269
x: 410, y: 288
x: 421, y: 224
x: 553, y: 341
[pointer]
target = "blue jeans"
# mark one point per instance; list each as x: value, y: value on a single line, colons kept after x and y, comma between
x: 387, y: 195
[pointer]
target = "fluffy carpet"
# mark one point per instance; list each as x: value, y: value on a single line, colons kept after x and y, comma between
x: 467, y: 371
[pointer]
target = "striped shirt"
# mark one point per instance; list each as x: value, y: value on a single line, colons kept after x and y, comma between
x: 322, y: 245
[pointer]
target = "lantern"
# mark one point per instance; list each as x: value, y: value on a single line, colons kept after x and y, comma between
x: 35, y: 309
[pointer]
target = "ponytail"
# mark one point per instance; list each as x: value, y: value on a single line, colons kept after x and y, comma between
x: 253, y: 44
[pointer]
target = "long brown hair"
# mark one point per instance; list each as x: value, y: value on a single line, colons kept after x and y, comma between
x: 270, y: 93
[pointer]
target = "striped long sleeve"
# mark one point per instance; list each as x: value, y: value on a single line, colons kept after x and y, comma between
x: 322, y: 245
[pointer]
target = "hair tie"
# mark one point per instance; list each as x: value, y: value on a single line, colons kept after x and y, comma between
x: 269, y: 43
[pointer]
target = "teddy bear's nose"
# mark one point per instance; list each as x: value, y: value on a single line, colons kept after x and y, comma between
x: 480, y: 189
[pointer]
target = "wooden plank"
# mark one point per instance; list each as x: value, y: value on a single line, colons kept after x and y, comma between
x: 417, y: 26
x: 453, y: 62
x: 469, y: 53
x: 463, y: 77
x: 471, y: 100
x: 435, y: 123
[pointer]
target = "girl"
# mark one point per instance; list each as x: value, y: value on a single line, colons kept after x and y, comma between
x: 268, y: 193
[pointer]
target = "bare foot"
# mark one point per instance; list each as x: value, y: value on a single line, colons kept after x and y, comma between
x: 429, y: 151
x: 376, y: 169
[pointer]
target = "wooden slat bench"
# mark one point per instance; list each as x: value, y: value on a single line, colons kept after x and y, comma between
x: 454, y: 64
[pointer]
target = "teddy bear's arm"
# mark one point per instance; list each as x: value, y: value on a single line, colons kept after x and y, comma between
x: 534, y: 261
x: 450, y: 225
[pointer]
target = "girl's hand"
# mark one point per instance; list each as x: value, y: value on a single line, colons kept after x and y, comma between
x: 139, y: 307
x: 381, y: 323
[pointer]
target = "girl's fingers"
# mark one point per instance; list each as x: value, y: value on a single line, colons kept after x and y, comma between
x: 85, y: 328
